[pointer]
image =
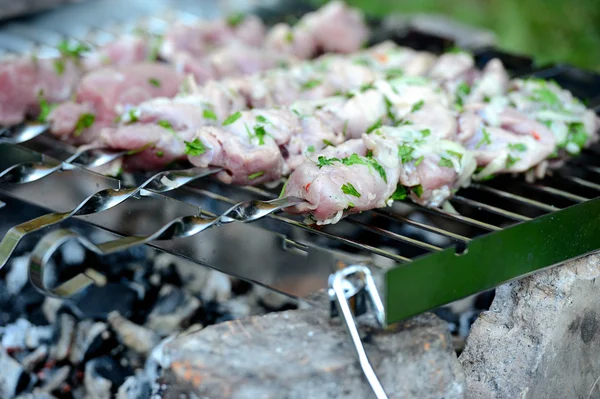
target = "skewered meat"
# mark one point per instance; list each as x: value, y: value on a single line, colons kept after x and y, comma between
x: 573, y: 124
x: 200, y: 39
x: 108, y: 92
x: 504, y: 140
x: 29, y: 80
x: 391, y: 163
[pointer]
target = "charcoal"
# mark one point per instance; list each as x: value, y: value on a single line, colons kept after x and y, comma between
x: 13, y: 378
x: 55, y: 379
x: 103, y: 377
x: 28, y: 304
x: 93, y: 303
x: 90, y: 339
x: 34, y: 359
x: 66, y: 332
x: 134, y: 387
x: 172, y: 311
x: 6, y: 307
x: 36, y: 394
x: 448, y: 316
x: 135, y: 337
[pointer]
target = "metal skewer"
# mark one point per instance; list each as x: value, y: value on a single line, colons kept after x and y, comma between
x: 22, y: 132
x: 101, y: 201
x: 32, y: 171
x: 184, y: 226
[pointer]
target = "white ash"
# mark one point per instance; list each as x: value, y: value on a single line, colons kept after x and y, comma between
x: 211, y: 284
x: 16, y: 277
x: 61, y: 349
x: 50, y: 307
x: 137, y: 338
x: 96, y: 386
x: 10, y: 375
x: 135, y: 387
x: 36, y: 335
x: 58, y: 377
x: 87, y: 331
x: 173, y: 309
x: 13, y: 335
x: 35, y: 358
x: 73, y: 253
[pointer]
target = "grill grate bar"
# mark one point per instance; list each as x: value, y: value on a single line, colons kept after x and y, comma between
x: 493, y: 209
x: 582, y: 182
x: 515, y: 197
x: 396, y: 236
x: 422, y: 226
x: 556, y: 191
x: 310, y: 229
x: 464, y: 219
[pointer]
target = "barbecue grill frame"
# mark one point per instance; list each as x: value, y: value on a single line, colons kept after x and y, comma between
x: 414, y: 285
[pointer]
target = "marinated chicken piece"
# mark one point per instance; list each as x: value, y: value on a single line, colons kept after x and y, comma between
x: 397, y: 61
x: 126, y: 51
x: 389, y: 164
x: 504, y: 140
x: 111, y: 91
x: 573, y: 124
x: 27, y: 82
x: 247, y: 145
x: 341, y: 181
x: 336, y: 27
x: 200, y: 39
x: 159, y: 144
x: 491, y: 82
x: 299, y: 41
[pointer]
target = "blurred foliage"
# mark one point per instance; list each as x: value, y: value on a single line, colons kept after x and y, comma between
x: 548, y: 30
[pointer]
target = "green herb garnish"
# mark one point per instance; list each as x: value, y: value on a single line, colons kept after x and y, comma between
x: 232, y: 118
x: 262, y: 119
x: 328, y: 143
x: 417, y: 106
x: 520, y: 147
x: 311, y: 148
x: 194, y: 148
x: 510, y: 161
x: 418, y: 190
x: 375, y: 125
x: 419, y: 160
x: 405, y: 153
x: 446, y: 163
x: 159, y: 154
x: 85, y: 121
x: 132, y: 116
x: 425, y: 132
x: 208, y: 114
x: 400, y: 193
x: 311, y: 84
x: 255, y: 175
x: 235, y: 19
x: 45, y: 108
x: 325, y: 161
x: 289, y: 37
x: 154, y: 82
x: 167, y: 125
x: 260, y: 133
x: 485, y: 140
x: 349, y: 189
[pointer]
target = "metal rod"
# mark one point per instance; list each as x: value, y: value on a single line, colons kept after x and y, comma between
x: 491, y: 208
x: 464, y: 219
x: 423, y: 226
x: 524, y: 200
x: 582, y: 182
x: 556, y: 191
x: 342, y: 302
x: 396, y: 236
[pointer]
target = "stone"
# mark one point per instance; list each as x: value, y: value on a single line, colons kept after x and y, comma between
x: 307, y: 355
x: 540, y: 338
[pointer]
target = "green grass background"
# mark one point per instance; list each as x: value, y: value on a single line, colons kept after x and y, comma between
x: 548, y: 30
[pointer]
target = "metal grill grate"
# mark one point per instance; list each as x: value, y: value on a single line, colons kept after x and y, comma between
x: 296, y: 258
